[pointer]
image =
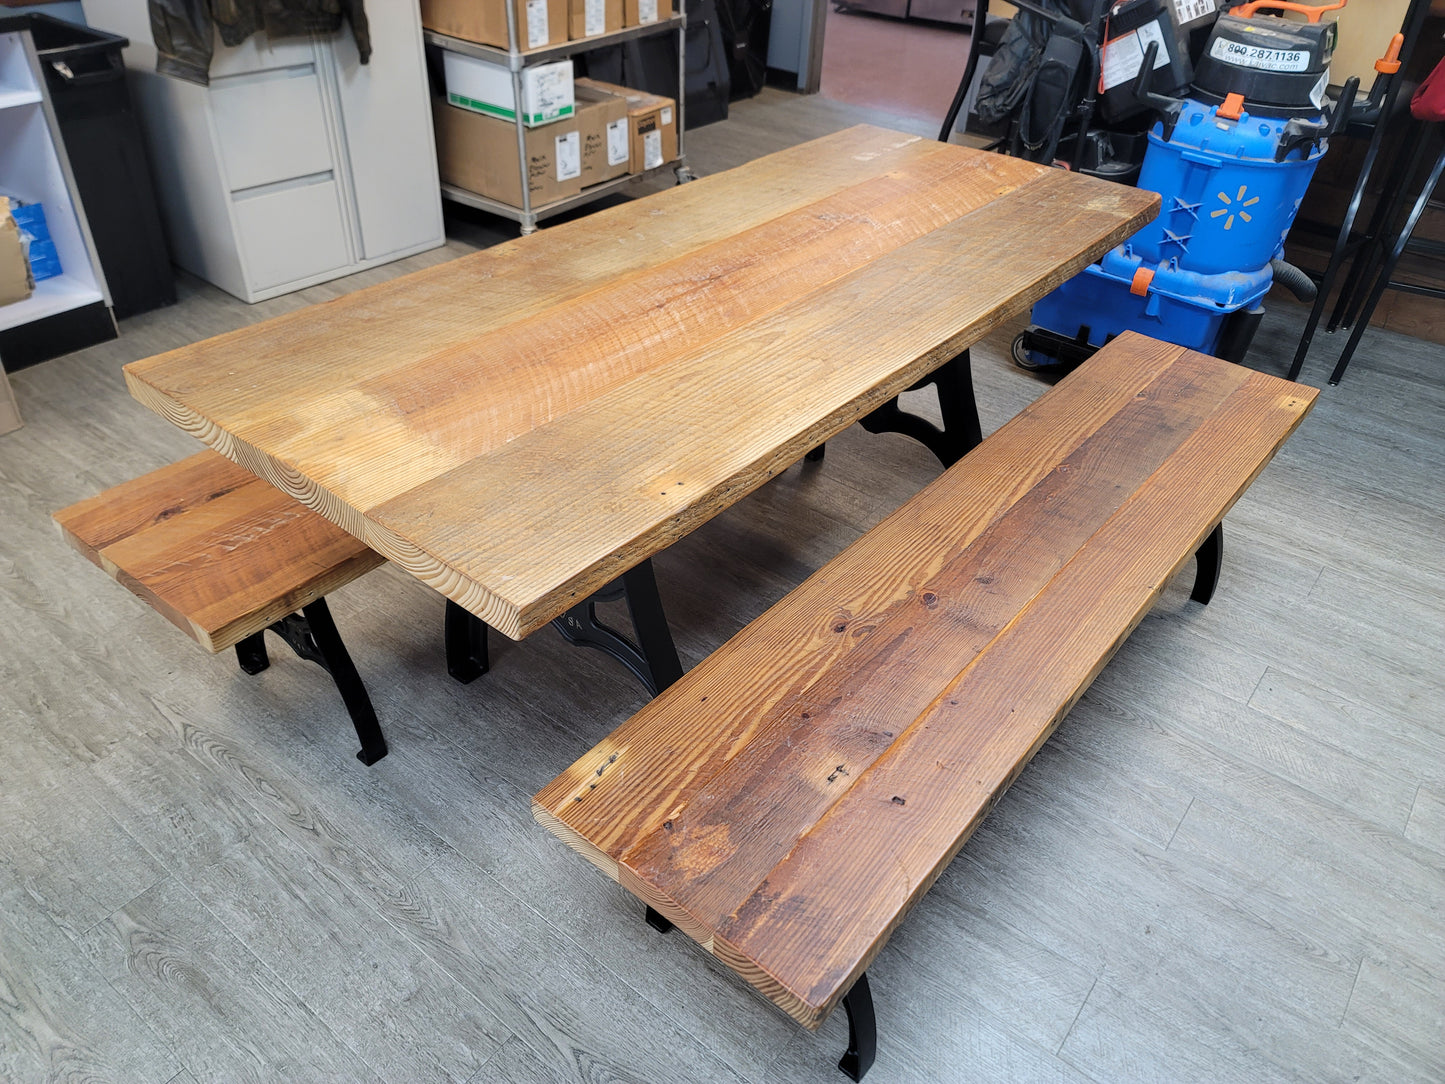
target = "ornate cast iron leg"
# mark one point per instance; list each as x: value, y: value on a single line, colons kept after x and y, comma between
x: 653, y: 658
x: 313, y: 636
x: 862, y: 1030
x: 657, y: 922
x: 251, y: 653
x: 1210, y: 559
x: 466, y: 642
x: 961, y: 432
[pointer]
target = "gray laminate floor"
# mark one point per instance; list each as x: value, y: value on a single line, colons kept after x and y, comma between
x: 1228, y: 865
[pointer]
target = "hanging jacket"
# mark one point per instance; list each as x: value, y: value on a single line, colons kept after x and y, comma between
x: 184, y: 30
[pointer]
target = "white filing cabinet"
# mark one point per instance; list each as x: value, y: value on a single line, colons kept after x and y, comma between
x: 298, y: 163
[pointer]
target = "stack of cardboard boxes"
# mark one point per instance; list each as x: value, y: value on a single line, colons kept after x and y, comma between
x: 577, y: 132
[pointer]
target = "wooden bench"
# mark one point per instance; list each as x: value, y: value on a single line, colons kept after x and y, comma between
x: 790, y: 798
x: 225, y: 556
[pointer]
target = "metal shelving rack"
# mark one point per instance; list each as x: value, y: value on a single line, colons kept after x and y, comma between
x: 515, y: 60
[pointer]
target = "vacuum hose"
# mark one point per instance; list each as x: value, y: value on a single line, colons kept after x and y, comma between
x: 1294, y: 280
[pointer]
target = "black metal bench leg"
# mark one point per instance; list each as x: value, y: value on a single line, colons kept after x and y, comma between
x: 466, y: 643
x: 251, y: 653
x: 862, y: 1030
x: 1210, y: 559
x: 657, y: 922
x: 653, y: 657
x: 961, y: 432
x: 313, y: 636
x: 816, y: 455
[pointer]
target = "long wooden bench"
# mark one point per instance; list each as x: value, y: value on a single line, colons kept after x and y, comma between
x: 790, y: 798
x: 225, y: 556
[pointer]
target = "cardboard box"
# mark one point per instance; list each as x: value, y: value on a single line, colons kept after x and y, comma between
x: 539, y: 22
x: 479, y: 153
x: 606, y: 135
x: 593, y: 17
x: 484, y: 87
x: 652, y: 123
x: 15, y: 281
x: 642, y: 12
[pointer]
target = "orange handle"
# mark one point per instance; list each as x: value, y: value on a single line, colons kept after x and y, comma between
x: 1313, y: 14
x: 1389, y: 64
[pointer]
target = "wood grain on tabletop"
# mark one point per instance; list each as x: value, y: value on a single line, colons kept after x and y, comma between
x: 453, y: 418
x: 790, y: 798
x: 216, y: 550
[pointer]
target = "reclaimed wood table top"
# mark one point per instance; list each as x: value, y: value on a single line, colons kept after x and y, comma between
x: 519, y: 426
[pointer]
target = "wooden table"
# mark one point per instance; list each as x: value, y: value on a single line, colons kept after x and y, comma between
x: 520, y: 426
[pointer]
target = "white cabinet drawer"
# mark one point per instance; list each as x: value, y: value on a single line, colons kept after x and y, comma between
x: 291, y: 233
x: 259, y: 53
x: 270, y: 127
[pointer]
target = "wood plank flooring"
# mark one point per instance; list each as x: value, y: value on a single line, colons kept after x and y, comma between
x: 1227, y: 865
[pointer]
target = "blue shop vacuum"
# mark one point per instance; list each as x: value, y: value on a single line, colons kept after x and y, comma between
x: 1231, y: 161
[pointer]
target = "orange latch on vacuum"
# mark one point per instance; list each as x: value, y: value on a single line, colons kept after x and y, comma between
x: 1231, y: 108
x: 1389, y: 64
x: 1311, y: 13
x: 1139, y: 287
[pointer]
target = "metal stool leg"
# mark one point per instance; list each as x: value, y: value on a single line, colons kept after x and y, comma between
x: 1382, y: 283
x: 862, y: 1030
x: 466, y: 644
x: 1210, y: 559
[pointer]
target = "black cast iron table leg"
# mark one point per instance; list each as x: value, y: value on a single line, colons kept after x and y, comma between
x: 961, y: 432
x: 653, y: 657
x: 466, y: 643
x: 1210, y: 559
x: 862, y: 1030
x: 312, y: 635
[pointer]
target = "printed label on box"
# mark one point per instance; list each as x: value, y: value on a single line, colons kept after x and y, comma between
x: 617, y: 148
x: 652, y: 149
x: 647, y: 11
x: 569, y: 156
x: 537, y: 35
x: 1124, y: 55
x: 553, y: 86
x: 596, y: 18
x: 1188, y: 10
x: 667, y: 116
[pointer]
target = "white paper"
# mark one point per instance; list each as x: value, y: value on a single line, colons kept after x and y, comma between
x: 1124, y: 55
x: 537, y: 35
x: 596, y: 18
x: 617, y: 149
x: 647, y: 11
x: 666, y: 116
x: 1318, y: 94
x: 569, y: 156
x: 1254, y: 56
x: 652, y: 149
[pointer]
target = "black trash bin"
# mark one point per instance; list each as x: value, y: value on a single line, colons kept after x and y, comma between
x: 86, y: 76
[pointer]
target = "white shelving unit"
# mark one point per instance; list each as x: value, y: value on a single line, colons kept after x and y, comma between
x: 515, y: 61
x: 33, y: 166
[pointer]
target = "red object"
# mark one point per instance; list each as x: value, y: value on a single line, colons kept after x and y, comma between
x: 1429, y: 100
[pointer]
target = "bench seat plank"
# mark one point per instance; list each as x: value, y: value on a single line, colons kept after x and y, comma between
x: 180, y: 538
x: 790, y: 798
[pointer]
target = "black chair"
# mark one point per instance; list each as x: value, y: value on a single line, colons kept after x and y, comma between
x: 1371, y: 119
x: 1423, y: 137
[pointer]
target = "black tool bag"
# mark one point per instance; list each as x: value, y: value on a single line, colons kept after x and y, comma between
x: 1018, y: 57
x: 1053, y: 92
